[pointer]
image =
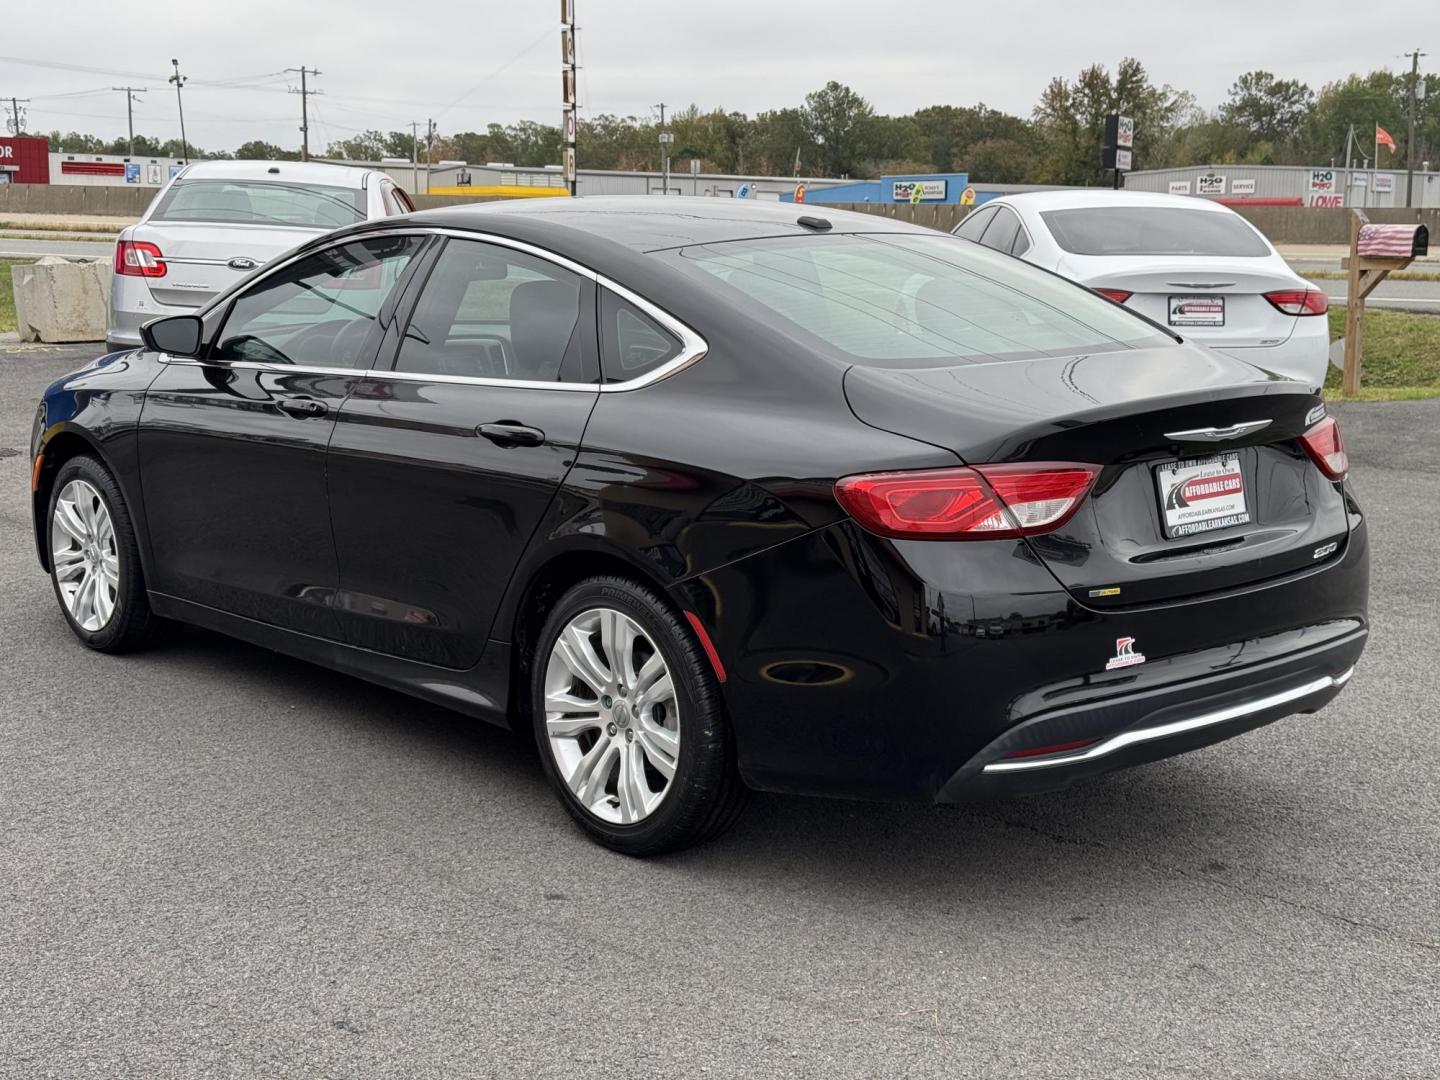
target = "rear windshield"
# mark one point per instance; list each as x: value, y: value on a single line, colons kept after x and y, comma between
x: 261, y: 202
x: 905, y: 300
x: 1152, y: 230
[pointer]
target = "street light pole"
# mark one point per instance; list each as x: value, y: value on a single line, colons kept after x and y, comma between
x: 179, y: 81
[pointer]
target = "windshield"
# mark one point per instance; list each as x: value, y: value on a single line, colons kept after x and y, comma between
x: 261, y: 202
x: 1153, y: 230
x: 903, y: 299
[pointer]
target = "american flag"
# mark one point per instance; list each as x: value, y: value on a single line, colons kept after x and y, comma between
x: 1391, y: 241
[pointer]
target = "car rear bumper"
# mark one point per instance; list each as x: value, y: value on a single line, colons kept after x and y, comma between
x: 1304, y: 356
x: 131, y: 307
x: 859, y: 667
x: 1131, y: 729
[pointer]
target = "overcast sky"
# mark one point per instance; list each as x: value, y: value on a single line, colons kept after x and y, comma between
x: 469, y: 63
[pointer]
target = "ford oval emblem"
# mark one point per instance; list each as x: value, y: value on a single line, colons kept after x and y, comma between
x: 242, y: 263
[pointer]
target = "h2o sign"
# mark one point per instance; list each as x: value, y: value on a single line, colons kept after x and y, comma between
x: 1322, y: 180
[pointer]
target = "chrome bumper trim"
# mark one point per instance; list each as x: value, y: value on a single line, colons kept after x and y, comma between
x: 1177, y: 727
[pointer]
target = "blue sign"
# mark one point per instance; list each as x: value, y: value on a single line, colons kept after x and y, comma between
x: 132, y: 173
x: 175, y: 169
x: 743, y: 192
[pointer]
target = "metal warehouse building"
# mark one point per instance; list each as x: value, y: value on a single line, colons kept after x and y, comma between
x: 1291, y: 185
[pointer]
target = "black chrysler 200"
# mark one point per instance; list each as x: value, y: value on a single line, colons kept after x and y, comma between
x: 716, y: 496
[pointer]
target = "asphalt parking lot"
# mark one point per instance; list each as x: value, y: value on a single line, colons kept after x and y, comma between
x: 219, y: 862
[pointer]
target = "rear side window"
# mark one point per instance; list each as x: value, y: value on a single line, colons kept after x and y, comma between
x: 1153, y: 230
x: 261, y: 202
x: 903, y: 299
x: 1002, y: 231
x: 491, y: 312
x: 632, y: 344
x: 974, y: 224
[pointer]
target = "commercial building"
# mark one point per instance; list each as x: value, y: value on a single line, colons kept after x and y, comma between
x: 1292, y: 185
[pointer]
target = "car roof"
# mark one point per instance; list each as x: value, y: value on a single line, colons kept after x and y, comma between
x: 655, y: 223
x: 311, y: 172
x: 1085, y: 198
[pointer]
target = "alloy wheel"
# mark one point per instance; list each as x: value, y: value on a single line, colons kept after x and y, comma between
x: 84, y: 556
x: 611, y: 716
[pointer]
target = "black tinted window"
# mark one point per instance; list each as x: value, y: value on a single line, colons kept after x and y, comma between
x: 491, y: 312
x: 631, y: 342
x: 975, y: 222
x: 320, y: 311
x: 1001, y: 233
x: 1153, y: 230
x: 1022, y: 242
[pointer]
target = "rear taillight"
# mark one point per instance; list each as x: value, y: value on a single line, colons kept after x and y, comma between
x: 1327, y: 449
x: 139, y: 258
x: 988, y: 502
x: 1299, y: 301
x: 1118, y: 295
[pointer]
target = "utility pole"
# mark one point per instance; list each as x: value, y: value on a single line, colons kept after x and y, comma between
x: 130, y: 92
x: 179, y: 81
x: 414, y: 157
x: 304, y: 109
x: 14, y: 125
x: 429, y: 152
x: 1410, y: 139
x: 664, y: 153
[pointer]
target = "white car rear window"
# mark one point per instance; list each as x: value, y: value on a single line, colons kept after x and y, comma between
x: 1152, y: 230
x: 261, y: 202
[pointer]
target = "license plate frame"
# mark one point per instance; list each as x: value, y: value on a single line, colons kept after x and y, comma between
x: 1196, y: 310
x: 1201, y: 494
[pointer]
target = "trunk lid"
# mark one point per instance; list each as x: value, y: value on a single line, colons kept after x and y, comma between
x: 1210, y: 300
x: 1136, y: 413
x: 198, y: 256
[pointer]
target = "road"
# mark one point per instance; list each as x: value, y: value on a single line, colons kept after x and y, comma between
x: 219, y: 862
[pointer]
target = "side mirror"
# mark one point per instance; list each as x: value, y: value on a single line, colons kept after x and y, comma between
x: 178, y: 335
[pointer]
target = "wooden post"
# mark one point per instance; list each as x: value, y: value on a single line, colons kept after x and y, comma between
x: 1354, y: 309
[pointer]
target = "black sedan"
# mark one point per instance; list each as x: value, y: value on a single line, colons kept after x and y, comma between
x: 715, y: 496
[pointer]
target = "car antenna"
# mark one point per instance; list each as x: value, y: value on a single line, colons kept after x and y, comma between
x: 819, y: 224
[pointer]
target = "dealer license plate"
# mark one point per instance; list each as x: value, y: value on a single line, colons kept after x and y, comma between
x: 1201, y: 494
x: 1197, y: 311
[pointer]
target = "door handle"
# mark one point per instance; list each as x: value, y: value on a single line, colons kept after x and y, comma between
x: 511, y: 433
x: 303, y: 407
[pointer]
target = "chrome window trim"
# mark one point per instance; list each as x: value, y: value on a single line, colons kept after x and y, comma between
x: 1176, y: 727
x: 693, y: 346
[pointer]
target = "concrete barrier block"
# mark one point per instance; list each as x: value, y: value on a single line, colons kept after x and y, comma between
x: 59, y: 300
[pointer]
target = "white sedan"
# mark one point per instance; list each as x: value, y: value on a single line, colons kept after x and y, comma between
x: 1189, y: 264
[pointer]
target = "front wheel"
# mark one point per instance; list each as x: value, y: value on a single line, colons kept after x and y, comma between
x: 631, y: 727
x: 94, y: 559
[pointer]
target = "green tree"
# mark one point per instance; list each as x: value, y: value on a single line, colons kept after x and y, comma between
x: 837, y: 121
x: 1270, y: 109
x: 998, y: 161
x: 260, y: 150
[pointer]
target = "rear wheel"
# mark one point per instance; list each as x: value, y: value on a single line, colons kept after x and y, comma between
x: 94, y: 559
x: 628, y: 716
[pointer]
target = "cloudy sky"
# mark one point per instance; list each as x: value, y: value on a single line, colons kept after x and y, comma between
x: 471, y: 63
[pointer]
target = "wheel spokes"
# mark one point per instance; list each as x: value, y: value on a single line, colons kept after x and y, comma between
x: 579, y: 656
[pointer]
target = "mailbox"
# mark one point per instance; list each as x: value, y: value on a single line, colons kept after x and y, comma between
x: 1393, y: 241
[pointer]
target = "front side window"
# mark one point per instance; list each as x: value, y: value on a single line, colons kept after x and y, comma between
x: 1153, y: 230
x: 491, y: 312
x: 320, y: 311
x: 261, y: 202
x: 908, y: 300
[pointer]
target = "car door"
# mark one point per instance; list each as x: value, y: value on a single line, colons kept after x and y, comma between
x: 232, y: 446
x: 447, y: 455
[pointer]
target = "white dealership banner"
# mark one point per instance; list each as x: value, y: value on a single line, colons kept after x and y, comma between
x: 1384, y: 183
x: 1179, y: 187
x: 930, y: 190
x: 1210, y: 184
x: 1242, y: 187
x: 1323, y: 181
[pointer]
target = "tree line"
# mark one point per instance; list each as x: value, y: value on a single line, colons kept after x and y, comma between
x: 1265, y: 120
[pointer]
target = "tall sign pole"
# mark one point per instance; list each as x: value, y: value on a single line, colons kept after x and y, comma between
x: 1116, y: 153
x: 569, y: 122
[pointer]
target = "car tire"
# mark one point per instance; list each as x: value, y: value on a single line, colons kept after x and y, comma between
x: 116, y: 617
x: 582, y: 721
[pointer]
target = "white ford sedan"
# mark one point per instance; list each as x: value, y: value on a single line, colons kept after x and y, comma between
x: 1189, y: 264
x: 216, y: 221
